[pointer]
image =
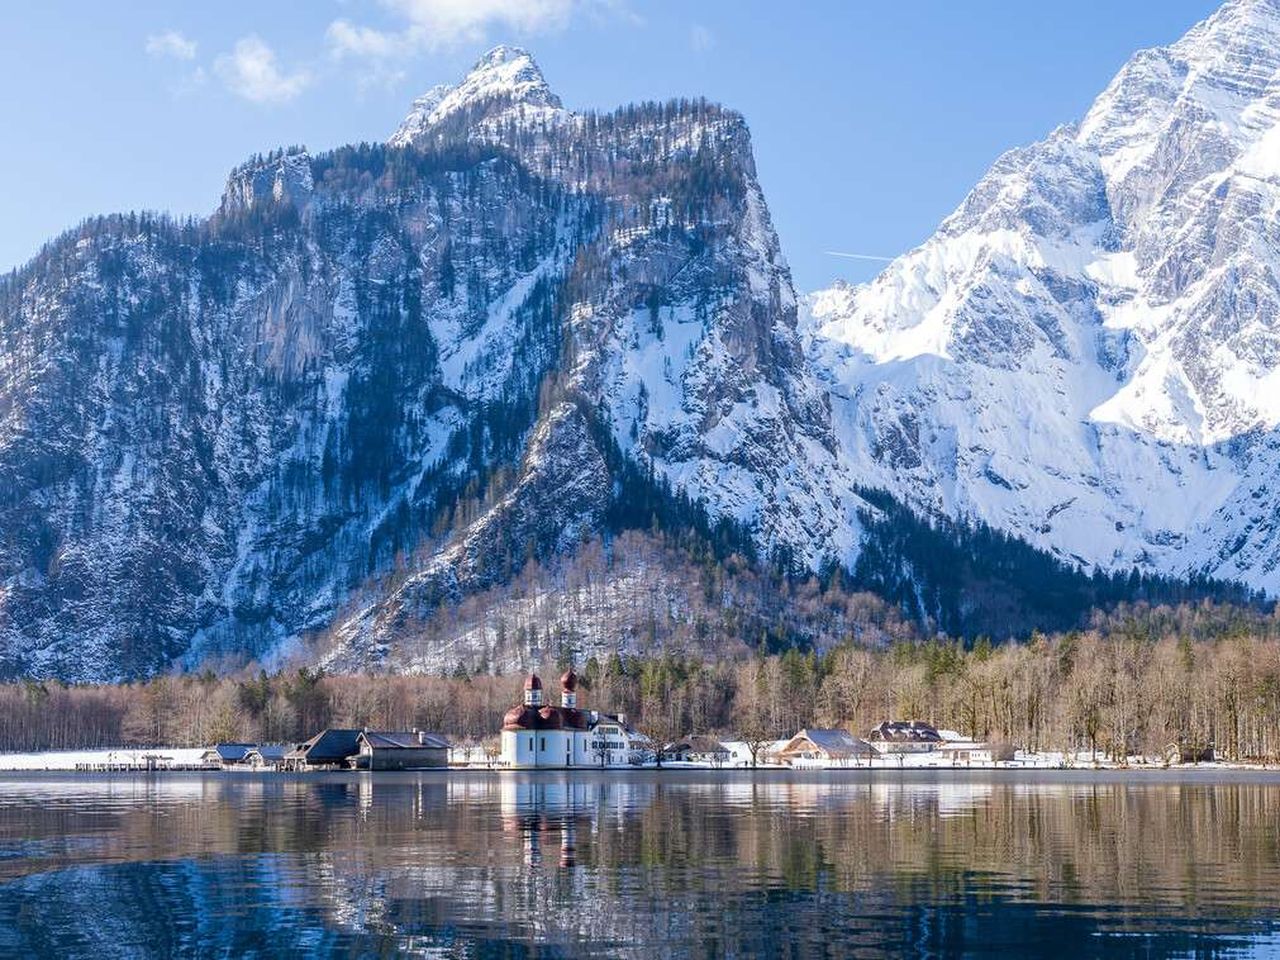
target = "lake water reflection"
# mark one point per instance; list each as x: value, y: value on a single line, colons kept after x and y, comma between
x: 704, y: 864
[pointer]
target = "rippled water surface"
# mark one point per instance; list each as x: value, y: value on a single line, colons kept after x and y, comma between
x: 704, y: 864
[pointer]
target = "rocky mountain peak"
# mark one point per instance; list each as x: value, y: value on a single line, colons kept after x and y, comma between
x: 283, y: 176
x: 1210, y: 94
x: 1086, y: 348
x: 1235, y: 24
x: 506, y: 77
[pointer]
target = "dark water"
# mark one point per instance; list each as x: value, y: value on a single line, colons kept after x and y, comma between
x: 641, y: 865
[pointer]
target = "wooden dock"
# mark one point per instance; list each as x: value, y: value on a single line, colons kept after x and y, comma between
x: 146, y: 763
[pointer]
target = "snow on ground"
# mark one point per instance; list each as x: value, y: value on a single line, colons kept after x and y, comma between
x: 71, y: 759
x: 1023, y: 760
x: 178, y: 757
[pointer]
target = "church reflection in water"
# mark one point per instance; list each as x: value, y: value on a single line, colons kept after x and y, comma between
x: 637, y: 864
x: 546, y: 815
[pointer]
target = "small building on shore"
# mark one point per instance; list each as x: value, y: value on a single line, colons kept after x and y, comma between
x: 392, y: 750
x: 1182, y: 751
x: 964, y: 752
x: 328, y: 749
x: 224, y: 755
x: 697, y: 749
x: 748, y: 753
x: 832, y: 747
x: 905, y: 736
x: 266, y: 756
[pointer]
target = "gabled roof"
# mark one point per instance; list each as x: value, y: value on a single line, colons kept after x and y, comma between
x: 231, y: 752
x: 402, y: 740
x: 834, y: 743
x: 598, y: 717
x: 328, y: 746
x: 270, y: 752
x: 905, y: 731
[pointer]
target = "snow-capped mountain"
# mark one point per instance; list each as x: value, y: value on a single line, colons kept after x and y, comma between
x: 505, y: 82
x: 387, y: 378
x: 680, y: 324
x: 382, y: 377
x: 1087, y: 352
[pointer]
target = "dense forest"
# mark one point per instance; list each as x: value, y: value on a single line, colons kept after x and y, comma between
x: 967, y: 579
x: 1133, y: 682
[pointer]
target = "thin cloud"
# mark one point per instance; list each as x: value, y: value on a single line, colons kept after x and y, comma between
x: 252, y: 71
x: 858, y: 256
x: 347, y: 39
x: 171, y: 43
x: 433, y: 24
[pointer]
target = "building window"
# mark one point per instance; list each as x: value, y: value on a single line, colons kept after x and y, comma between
x: 542, y: 743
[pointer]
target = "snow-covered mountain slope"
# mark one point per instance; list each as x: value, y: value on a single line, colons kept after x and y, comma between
x: 682, y: 316
x: 1087, y: 352
x: 210, y: 434
x: 680, y: 323
x: 386, y: 376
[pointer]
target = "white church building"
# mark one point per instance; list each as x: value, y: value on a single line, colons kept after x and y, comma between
x: 537, y: 734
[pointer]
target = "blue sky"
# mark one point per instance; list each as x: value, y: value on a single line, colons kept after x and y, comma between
x: 870, y: 119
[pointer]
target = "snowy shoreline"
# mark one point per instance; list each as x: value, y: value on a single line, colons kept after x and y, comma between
x: 189, y: 760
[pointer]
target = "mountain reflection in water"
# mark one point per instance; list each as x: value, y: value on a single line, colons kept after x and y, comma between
x: 640, y: 864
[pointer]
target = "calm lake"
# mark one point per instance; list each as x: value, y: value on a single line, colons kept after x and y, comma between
x: 641, y: 864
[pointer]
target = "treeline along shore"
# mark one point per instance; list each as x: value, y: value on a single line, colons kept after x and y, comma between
x: 1138, y: 681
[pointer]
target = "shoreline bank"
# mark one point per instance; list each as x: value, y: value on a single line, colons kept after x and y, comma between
x: 160, y: 760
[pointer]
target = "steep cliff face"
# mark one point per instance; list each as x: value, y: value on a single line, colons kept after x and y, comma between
x: 679, y: 325
x: 423, y: 358
x: 1085, y: 353
x: 213, y: 432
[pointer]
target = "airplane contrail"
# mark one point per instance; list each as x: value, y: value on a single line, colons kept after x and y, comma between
x: 858, y: 256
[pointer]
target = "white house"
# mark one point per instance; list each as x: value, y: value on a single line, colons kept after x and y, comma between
x: 766, y: 752
x: 965, y: 752
x: 617, y: 744
x: 905, y: 736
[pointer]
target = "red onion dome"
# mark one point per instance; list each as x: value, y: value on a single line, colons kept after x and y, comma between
x: 520, y: 718
x: 569, y: 681
x: 549, y: 719
x: 533, y: 682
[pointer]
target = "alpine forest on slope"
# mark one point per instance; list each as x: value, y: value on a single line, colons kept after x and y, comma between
x: 1134, y: 683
